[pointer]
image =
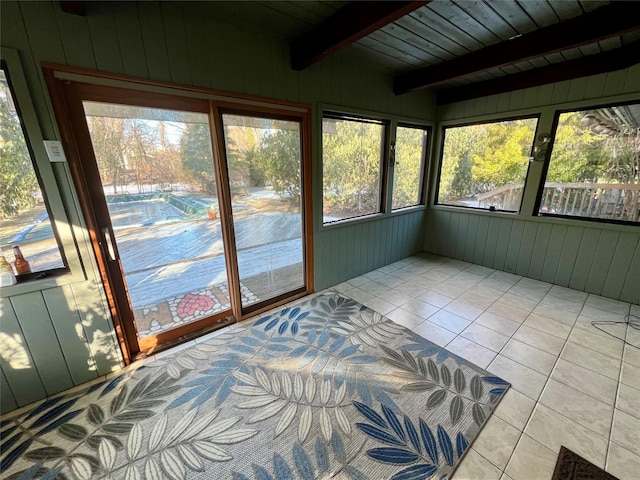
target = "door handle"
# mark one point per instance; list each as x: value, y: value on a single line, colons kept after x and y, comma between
x: 109, y: 241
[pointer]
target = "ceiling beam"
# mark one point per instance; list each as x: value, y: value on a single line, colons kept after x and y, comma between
x: 348, y: 25
x: 591, y: 65
x: 73, y: 7
x: 615, y: 19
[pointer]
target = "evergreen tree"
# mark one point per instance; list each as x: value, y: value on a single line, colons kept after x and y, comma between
x: 197, y: 157
x: 18, y: 182
x: 279, y: 158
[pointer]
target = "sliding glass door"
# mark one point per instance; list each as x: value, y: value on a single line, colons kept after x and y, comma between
x: 195, y: 210
x: 264, y: 164
x: 157, y: 175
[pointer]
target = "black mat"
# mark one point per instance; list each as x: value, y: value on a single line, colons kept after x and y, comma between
x: 571, y: 466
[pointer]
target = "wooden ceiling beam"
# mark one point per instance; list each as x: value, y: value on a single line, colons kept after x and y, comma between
x: 73, y: 7
x: 613, y: 20
x: 610, y: 61
x: 349, y: 24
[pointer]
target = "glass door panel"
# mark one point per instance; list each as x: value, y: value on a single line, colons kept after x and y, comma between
x: 157, y: 172
x: 264, y: 168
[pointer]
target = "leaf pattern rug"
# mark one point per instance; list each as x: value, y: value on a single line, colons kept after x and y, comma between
x: 326, y: 388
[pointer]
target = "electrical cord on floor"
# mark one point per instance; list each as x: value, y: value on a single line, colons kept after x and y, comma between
x: 635, y: 324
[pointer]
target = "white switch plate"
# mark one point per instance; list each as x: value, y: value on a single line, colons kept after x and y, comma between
x: 55, y: 151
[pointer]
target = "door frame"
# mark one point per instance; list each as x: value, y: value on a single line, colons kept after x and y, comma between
x: 68, y: 87
x: 218, y: 109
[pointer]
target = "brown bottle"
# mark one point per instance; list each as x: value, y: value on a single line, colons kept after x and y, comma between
x: 21, y: 264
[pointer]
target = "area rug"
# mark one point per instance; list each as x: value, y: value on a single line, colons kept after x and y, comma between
x: 571, y: 466
x: 181, y: 309
x: 323, y: 388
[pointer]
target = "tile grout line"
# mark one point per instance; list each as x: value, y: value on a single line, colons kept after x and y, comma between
x: 615, y: 398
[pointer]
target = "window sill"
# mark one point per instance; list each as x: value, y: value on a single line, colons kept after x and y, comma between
x: 481, y: 211
x: 410, y: 209
x: 49, y: 280
x: 372, y: 217
x: 353, y: 221
x: 549, y: 219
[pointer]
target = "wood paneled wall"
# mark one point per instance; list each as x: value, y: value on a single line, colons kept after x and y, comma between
x: 344, y: 252
x: 52, y: 340
x: 161, y: 41
x: 598, y: 258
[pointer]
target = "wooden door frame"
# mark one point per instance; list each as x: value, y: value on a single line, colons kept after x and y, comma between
x: 219, y: 108
x: 64, y: 90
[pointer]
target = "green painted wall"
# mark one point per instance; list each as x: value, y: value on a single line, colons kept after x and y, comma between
x: 598, y: 258
x: 161, y: 41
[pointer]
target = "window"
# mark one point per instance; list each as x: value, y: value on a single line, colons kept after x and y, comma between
x: 410, y: 153
x: 352, y: 152
x: 594, y: 168
x: 485, y: 165
x: 25, y: 219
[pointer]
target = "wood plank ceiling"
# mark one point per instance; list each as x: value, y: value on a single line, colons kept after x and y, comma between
x: 572, y: 40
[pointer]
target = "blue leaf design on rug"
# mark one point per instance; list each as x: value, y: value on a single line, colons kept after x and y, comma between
x: 319, y: 388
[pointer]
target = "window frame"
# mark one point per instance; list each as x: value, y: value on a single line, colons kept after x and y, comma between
x: 385, y: 122
x: 72, y: 272
x: 423, y: 175
x: 386, y: 185
x: 492, y: 119
x: 547, y: 162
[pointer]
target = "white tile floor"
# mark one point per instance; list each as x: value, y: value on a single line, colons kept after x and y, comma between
x: 572, y: 385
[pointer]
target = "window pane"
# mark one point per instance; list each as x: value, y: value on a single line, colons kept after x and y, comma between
x: 594, y: 169
x: 485, y: 165
x: 24, y: 219
x: 411, y: 144
x: 351, y: 157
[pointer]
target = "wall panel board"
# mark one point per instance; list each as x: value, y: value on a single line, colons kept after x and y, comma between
x: 586, y: 251
x: 513, y: 248
x: 481, y: 240
x: 134, y: 59
x: 70, y: 333
x: 196, y: 38
x: 461, y: 236
x: 104, y: 38
x: 153, y: 38
x: 472, y: 234
x: 631, y: 285
x: 620, y: 265
x: 525, y: 251
x: 602, y: 261
x: 492, y: 241
x: 42, y: 341
x: 568, y: 255
x: 91, y: 305
x: 17, y: 362
x: 7, y: 400
x: 553, y: 253
x: 75, y: 38
x: 44, y: 36
x: 502, y: 244
x: 177, y: 49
